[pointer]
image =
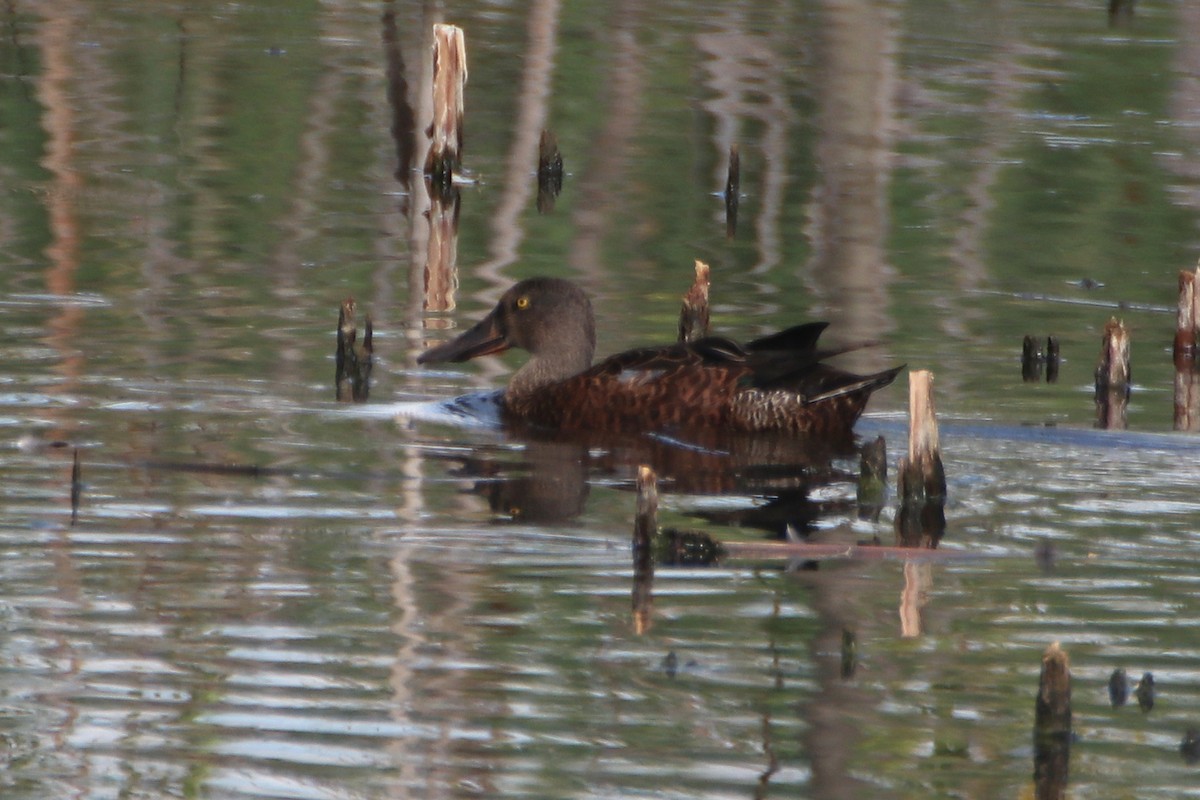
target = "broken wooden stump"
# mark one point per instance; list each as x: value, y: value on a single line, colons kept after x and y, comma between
x: 446, y: 130
x: 352, y: 378
x: 1035, y: 361
x: 441, y: 255
x: 645, y: 526
x: 1052, y: 726
x: 1118, y: 688
x: 921, y: 519
x: 872, y: 479
x: 549, y: 172
x: 1112, y: 377
x: 1031, y: 361
x: 1145, y: 692
x: 1187, y: 318
x: 1187, y: 397
x: 694, y: 315
x: 733, y: 195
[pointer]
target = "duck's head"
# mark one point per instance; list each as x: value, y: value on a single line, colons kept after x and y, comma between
x: 549, y: 317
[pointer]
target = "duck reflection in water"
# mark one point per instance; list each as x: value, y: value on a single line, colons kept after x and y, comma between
x: 711, y: 416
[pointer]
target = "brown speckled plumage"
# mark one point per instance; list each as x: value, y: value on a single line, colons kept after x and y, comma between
x: 776, y: 383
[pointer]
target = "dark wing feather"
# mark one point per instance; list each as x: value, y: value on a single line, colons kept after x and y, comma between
x: 798, y: 338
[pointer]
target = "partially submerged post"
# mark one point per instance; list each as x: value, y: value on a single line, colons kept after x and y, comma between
x: 1051, y: 359
x: 1052, y: 726
x: 446, y: 130
x: 353, y: 361
x: 1187, y: 318
x: 922, y: 481
x: 1187, y: 336
x: 1187, y: 397
x: 1112, y: 377
x: 645, y: 526
x: 694, y: 315
x: 733, y: 196
x: 549, y: 172
x: 1033, y: 359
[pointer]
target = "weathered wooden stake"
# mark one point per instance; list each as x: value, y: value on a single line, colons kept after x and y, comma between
x: 921, y: 520
x: 1118, y: 687
x: 694, y: 315
x: 1145, y: 692
x: 353, y: 360
x: 549, y: 172
x: 441, y: 257
x: 644, y: 528
x: 733, y: 191
x: 1112, y: 377
x: 1031, y: 360
x: 1187, y: 397
x: 449, y: 79
x: 1052, y: 726
x: 1187, y: 318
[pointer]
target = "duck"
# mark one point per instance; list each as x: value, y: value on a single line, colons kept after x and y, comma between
x: 776, y: 383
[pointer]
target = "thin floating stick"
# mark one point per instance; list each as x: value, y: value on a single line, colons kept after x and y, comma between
x: 694, y: 315
x: 353, y: 360
x: 921, y: 520
x: 645, y: 527
x: 449, y: 79
x: 1052, y: 726
x: 1112, y: 377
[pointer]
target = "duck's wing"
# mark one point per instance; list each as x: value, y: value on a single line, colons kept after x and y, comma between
x: 648, y: 362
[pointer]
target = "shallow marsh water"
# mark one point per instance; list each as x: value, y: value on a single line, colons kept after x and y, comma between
x: 267, y: 593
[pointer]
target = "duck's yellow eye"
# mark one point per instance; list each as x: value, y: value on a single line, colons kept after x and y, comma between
x: 522, y: 302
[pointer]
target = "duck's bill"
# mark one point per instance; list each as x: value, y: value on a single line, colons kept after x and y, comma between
x: 483, y: 339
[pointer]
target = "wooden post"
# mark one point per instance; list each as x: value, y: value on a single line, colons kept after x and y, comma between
x: 921, y: 520
x: 1052, y: 726
x: 1031, y: 360
x: 644, y: 528
x: 449, y: 79
x: 1187, y: 397
x: 441, y: 256
x: 694, y: 316
x: 1118, y: 687
x: 733, y: 191
x: 1187, y: 317
x: 1112, y: 377
x: 353, y: 361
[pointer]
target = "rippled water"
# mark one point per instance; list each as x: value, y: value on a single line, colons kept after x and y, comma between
x: 263, y: 593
